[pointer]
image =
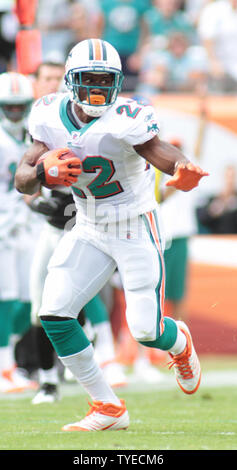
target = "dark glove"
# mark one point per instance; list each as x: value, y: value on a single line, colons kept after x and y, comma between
x: 45, y: 206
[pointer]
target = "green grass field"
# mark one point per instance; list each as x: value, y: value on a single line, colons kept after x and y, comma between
x: 162, y: 416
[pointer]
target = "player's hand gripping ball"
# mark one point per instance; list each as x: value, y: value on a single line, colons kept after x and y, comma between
x: 58, y: 167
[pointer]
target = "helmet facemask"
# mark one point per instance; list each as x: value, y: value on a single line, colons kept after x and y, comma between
x: 92, y: 104
x: 15, y: 112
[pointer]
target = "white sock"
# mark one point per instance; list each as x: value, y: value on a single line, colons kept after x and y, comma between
x: 104, y: 344
x: 6, y: 358
x: 179, y: 344
x: 84, y: 367
x: 49, y: 376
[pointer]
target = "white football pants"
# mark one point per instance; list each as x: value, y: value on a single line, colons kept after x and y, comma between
x: 15, y: 259
x: 48, y: 240
x: 85, y: 259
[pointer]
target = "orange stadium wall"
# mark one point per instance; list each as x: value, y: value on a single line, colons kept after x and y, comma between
x: 211, y: 301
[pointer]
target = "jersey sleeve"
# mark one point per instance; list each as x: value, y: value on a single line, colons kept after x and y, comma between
x: 37, y: 122
x: 142, y: 124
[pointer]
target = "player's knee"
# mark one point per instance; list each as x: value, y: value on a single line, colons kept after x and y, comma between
x: 142, y: 319
x: 57, y: 294
x: 143, y: 336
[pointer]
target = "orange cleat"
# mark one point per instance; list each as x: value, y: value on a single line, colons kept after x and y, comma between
x: 102, y: 417
x: 186, y: 365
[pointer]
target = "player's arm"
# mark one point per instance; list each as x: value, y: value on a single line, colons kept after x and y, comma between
x: 170, y: 160
x: 26, y: 180
x: 58, y: 167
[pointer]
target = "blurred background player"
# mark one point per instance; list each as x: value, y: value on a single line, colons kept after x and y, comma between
x: 16, y: 228
x: 178, y: 213
x: 47, y: 78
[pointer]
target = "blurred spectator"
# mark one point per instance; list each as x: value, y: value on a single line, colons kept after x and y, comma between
x: 92, y: 9
x: 53, y: 21
x: 164, y: 17
x: 80, y: 24
x: 121, y: 22
x: 181, y: 67
x: 218, y: 31
x: 8, y: 30
x: 193, y: 9
x: 219, y: 213
x: 48, y: 78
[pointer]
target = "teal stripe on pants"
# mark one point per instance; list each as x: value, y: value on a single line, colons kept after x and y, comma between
x: 158, y: 287
x: 169, y: 336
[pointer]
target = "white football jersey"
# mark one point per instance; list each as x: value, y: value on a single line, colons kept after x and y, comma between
x: 13, y: 210
x: 116, y: 182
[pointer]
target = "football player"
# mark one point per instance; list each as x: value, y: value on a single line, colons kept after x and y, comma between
x: 16, y: 233
x: 53, y: 205
x: 112, y: 138
x: 48, y: 78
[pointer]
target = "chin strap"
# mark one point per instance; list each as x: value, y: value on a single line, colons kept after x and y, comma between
x: 93, y: 111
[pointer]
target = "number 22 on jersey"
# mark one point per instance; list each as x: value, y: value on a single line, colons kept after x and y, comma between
x: 101, y: 186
